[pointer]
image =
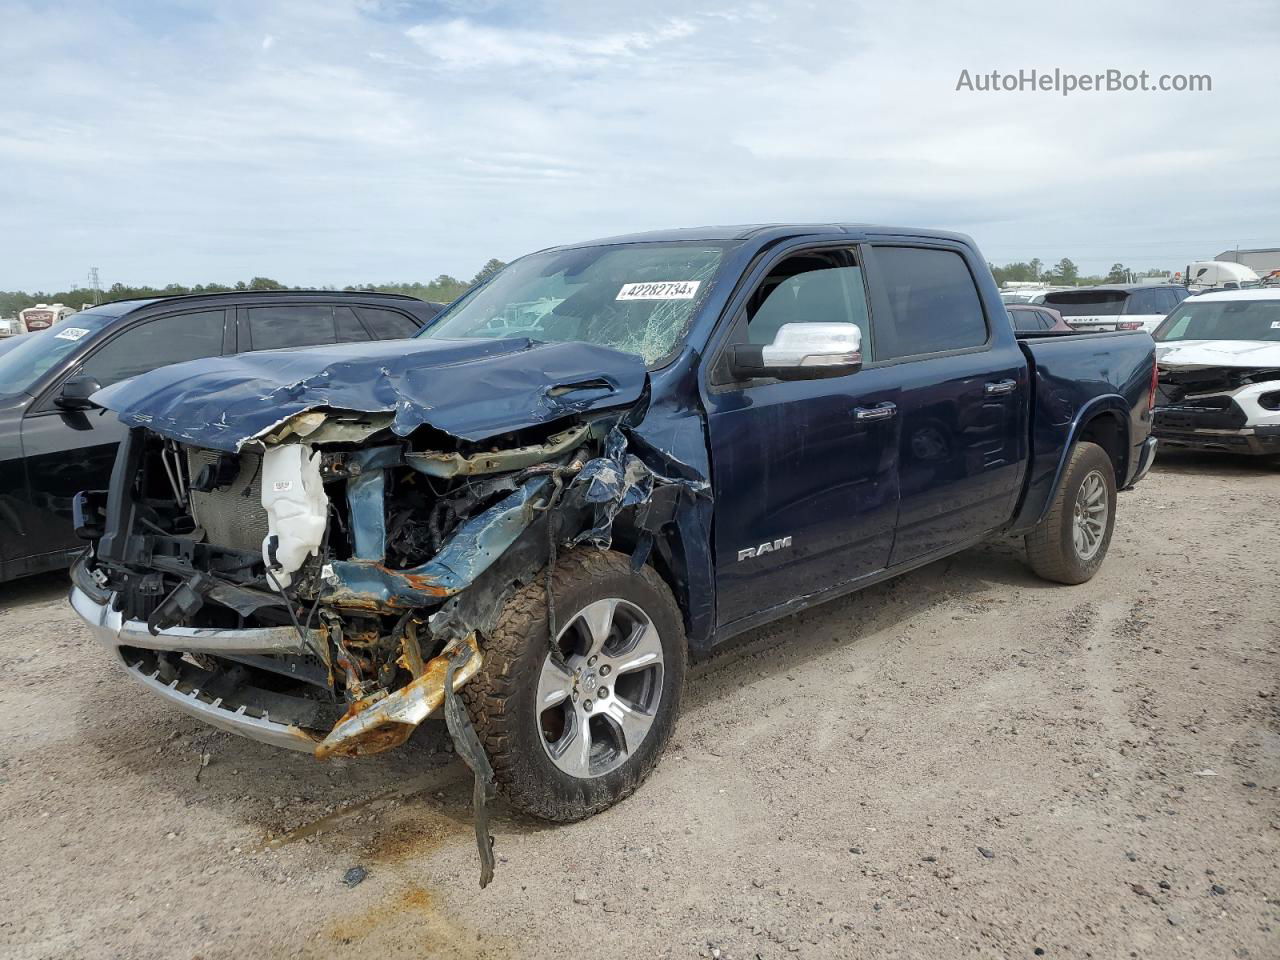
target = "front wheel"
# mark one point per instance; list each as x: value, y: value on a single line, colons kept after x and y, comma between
x: 572, y: 732
x: 1071, y: 542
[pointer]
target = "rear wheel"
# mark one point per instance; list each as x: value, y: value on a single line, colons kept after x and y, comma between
x: 1071, y: 542
x: 571, y: 733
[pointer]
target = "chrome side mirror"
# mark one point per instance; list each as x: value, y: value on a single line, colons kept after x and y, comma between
x: 802, y: 351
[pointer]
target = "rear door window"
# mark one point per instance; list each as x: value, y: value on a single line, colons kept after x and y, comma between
x: 157, y: 343
x: 296, y: 325
x: 1142, y: 302
x: 934, y: 302
x: 1026, y: 321
x: 388, y: 324
x: 350, y: 329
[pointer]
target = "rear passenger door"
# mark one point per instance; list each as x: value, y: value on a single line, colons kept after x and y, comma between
x: 962, y: 397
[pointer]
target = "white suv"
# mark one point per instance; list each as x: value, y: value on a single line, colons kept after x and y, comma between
x: 1118, y: 307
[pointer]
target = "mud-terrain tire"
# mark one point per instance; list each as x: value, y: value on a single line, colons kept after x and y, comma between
x: 1069, y: 545
x: 584, y: 777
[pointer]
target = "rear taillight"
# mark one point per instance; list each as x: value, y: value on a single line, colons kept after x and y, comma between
x: 1155, y: 382
x: 1130, y: 325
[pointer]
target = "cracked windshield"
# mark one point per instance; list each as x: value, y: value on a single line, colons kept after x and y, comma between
x: 636, y: 298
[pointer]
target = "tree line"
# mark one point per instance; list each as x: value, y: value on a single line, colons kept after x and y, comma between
x: 442, y: 289
x: 1065, y: 273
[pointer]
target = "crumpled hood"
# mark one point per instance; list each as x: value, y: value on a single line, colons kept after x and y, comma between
x: 1190, y: 354
x: 471, y: 389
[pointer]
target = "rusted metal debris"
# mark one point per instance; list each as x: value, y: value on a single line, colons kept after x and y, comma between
x: 375, y: 726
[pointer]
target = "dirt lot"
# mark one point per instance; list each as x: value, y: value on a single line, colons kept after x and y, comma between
x: 966, y: 761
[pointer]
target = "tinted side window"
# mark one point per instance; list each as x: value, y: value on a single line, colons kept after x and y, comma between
x: 820, y: 287
x: 301, y: 325
x: 1046, y: 320
x: 1025, y: 320
x: 350, y: 330
x: 388, y: 324
x: 1142, y: 302
x: 934, y: 302
x: 157, y: 343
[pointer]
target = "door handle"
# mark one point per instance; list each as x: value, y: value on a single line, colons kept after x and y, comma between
x: 881, y: 411
x: 1001, y: 388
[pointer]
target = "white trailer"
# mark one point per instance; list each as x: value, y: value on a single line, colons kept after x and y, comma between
x: 44, y: 315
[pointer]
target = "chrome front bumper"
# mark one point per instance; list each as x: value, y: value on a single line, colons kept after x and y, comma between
x: 117, y: 634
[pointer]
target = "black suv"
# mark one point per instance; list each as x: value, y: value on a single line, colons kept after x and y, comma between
x: 54, y: 442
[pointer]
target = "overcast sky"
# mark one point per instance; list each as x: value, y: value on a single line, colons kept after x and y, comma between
x: 342, y: 141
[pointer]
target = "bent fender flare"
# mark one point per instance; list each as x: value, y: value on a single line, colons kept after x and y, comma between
x: 1107, y: 403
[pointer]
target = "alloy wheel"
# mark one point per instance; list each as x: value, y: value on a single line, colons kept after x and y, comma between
x: 1090, y: 519
x: 597, y: 701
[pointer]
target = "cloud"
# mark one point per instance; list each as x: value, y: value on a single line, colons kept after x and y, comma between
x: 461, y: 44
x: 390, y: 140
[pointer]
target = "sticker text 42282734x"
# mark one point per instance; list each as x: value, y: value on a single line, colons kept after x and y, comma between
x: 660, y: 290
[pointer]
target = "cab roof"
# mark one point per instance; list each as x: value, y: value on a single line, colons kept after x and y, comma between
x: 767, y: 232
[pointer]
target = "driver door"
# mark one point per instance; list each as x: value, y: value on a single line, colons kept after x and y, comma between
x: 805, y: 471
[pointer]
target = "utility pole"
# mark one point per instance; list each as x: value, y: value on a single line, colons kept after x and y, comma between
x: 95, y: 285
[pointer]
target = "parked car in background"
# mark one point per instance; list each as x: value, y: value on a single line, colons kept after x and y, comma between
x: 1116, y: 306
x: 43, y: 316
x: 697, y: 431
x: 53, y: 441
x: 1030, y: 318
x: 1219, y: 359
x: 11, y: 327
x: 1032, y: 295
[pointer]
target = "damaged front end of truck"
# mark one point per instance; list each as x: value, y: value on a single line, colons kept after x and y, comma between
x: 1219, y: 397
x: 311, y: 552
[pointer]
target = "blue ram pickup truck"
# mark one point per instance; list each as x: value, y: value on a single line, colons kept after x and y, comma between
x: 611, y: 457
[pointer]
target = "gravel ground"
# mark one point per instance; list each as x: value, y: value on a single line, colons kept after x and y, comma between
x: 962, y: 762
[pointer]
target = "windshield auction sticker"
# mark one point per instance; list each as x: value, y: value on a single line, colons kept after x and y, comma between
x: 72, y: 333
x: 660, y: 290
